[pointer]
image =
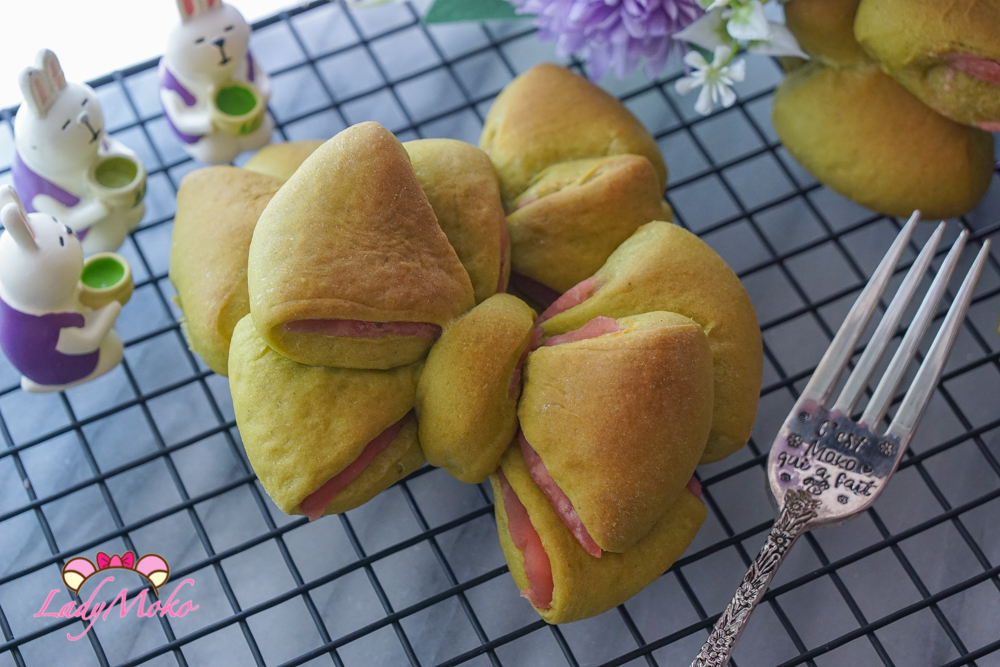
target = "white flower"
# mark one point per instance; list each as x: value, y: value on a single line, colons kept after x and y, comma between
x: 708, y: 32
x: 709, y: 5
x: 748, y: 23
x: 714, y: 78
x: 782, y: 43
x: 711, y: 31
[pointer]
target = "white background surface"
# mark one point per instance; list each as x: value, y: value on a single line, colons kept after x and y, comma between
x: 92, y: 38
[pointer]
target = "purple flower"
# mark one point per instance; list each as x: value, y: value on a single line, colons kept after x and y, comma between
x: 613, y: 32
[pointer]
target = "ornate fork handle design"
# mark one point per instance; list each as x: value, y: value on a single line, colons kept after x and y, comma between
x: 799, y: 509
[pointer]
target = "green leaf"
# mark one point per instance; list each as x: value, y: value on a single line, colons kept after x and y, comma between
x: 446, y: 11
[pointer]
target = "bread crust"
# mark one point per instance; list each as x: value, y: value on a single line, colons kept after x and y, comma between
x: 825, y: 30
x: 863, y: 135
x: 352, y: 236
x: 217, y: 210
x: 550, y: 115
x: 301, y: 425
x: 620, y: 421
x: 585, y: 586
x: 282, y: 159
x: 914, y: 41
x: 467, y: 414
x: 665, y: 267
x: 574, y: 215
x: 462, y: 188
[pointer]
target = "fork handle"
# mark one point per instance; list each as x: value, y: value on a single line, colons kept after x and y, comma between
x: 799, y: 508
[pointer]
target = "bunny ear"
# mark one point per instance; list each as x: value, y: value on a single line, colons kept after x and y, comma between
x: 14, y: 218
x: 47, y: 62
x: 186, y: 9
x: 192, y: 8
x: 37, y: 90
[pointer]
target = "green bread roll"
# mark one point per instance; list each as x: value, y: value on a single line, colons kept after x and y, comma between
x: 468, y: 391
x: 461, y: 186
x: 620, y: 419
x: 574, y: 214
x: 945, y: 53
x: 303, y: 425
x: 550, y: 115
x: 584, y: 586
x: 663, y: 267
x: 862, y: 134
x: 578, y: 174
x: 217, y: 210
x: 348, y: 267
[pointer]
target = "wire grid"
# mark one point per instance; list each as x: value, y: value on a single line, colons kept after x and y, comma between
x: 148, y: 458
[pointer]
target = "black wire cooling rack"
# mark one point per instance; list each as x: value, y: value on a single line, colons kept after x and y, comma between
x: 148, y: 458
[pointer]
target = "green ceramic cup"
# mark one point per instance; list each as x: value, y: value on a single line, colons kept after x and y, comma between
x: 118, y: 180
x: 237, y: 108
x: 106, y: 277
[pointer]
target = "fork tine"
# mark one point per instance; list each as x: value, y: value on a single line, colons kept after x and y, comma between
x: 907, y: 348
x: 919, y: 393
x: 823, y: 379
x: 887, y: 327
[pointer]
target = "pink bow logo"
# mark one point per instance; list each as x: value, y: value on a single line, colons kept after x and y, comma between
x: 127, y: 560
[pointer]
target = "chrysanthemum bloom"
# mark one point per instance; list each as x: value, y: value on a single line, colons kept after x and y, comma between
x: 616, y: 33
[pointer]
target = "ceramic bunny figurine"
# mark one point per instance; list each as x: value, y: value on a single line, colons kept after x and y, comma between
x: 47, y: 334
x: 208, y: 53
x: 59, y: 142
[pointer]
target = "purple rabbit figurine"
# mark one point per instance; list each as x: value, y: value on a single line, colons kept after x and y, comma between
x: 49, y: 336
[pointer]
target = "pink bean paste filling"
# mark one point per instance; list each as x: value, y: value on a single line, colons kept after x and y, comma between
x: 694, y: 486
x: 599, y: 326
x: 363, y: 329
x: 515, y: 378
x: 576, y: 295
x: 315, y: 503
x: 560, y: 502
x: 538, y: 292
x: 984, y: 69
x: 537, y: 567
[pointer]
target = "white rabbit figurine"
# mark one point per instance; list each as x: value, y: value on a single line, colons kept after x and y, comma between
x: 45, y: 331
x: 205, y: 52
x: 59, y: 138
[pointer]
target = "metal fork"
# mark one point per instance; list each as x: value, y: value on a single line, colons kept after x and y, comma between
x: 825, y: 467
